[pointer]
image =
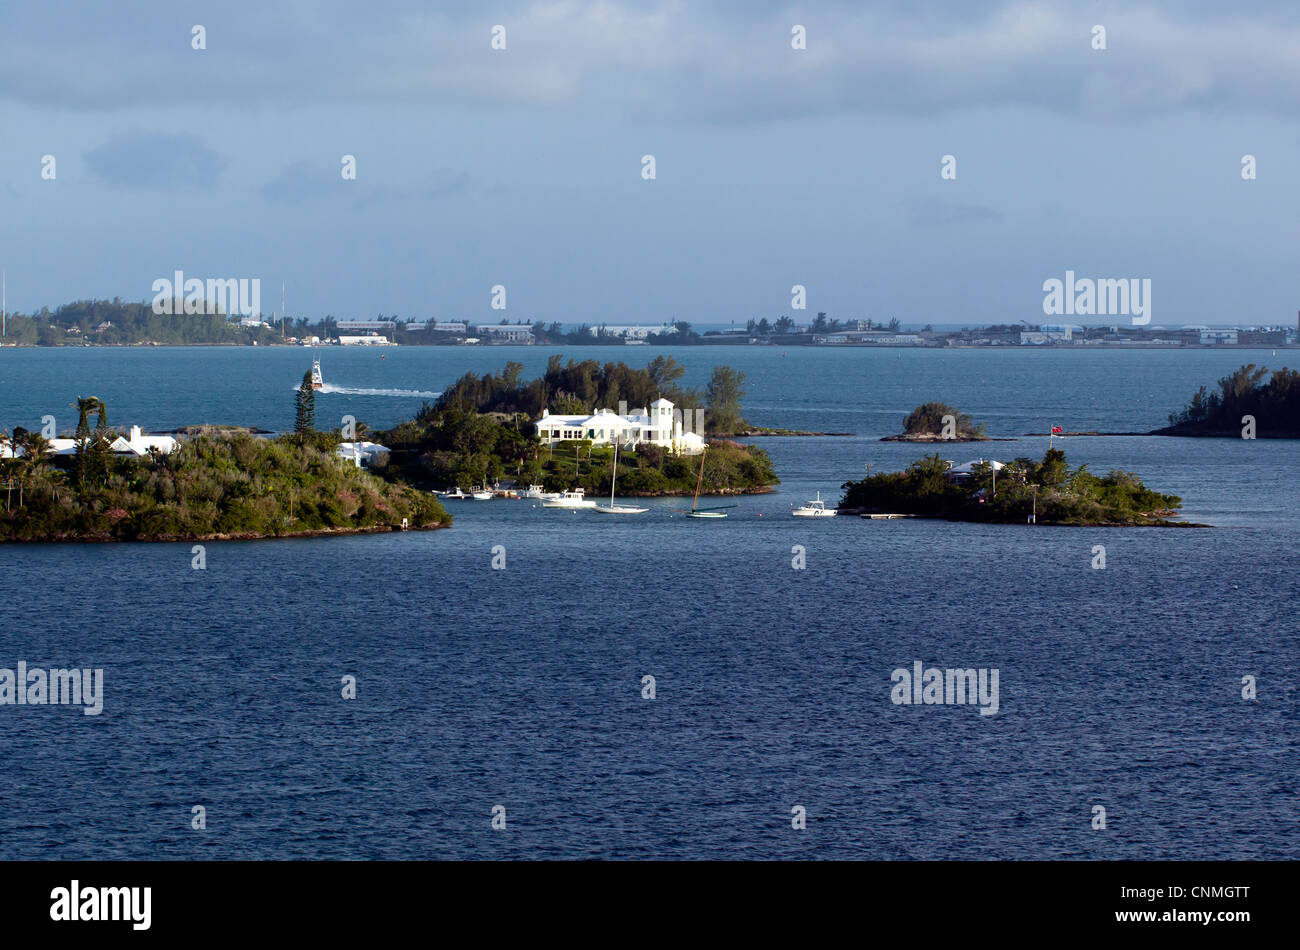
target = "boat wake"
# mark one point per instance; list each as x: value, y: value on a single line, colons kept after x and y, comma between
x: 329, y: 388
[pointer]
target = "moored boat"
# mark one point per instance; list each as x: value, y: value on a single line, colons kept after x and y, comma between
x: 814, y: 509
x: 569, y: 499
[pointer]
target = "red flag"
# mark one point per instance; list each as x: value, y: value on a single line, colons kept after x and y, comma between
x: 1057, y: 430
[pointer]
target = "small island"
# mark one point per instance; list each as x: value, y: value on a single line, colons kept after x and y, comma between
x: 1019, y: 492
x: 938, y: 422
x: 218, y: 483
x: 1273, y: 406
x: 484, y: 430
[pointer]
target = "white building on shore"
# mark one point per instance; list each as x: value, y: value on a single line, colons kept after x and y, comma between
x: 659, y: 425
x: 363, y: 454
x: 134, y: 443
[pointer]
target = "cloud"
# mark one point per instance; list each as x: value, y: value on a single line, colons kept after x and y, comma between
x: 305, y: 181
x: 155, y: 160
x: 728, y: 62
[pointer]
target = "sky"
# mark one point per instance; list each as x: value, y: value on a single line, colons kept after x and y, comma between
x: 774, y: 166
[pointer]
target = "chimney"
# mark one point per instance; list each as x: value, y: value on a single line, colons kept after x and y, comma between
x: 135, y: 434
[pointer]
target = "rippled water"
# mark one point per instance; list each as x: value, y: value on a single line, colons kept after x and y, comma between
x: 522, y: 687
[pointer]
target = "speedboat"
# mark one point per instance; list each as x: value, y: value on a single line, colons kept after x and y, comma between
x: 569, y: 499
x: 814, y: 509
x: 317, y: 381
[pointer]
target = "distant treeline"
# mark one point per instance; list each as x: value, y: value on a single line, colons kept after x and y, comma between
x: 120, y: 322
x: 1274, y: 404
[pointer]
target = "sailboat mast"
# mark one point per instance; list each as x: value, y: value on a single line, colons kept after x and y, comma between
x: 614, y: 475
x: 698, y: 482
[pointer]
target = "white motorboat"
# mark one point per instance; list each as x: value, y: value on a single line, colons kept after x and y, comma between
x: 481, y: 494
x: 317, y: 380
x: 814, y: 509
x: 540, y: 493
x: 611, y: 508
x: 456, y: 494
x: 569, y: 499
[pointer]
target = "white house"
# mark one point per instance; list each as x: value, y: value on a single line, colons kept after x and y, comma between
x: 660, y: 425
x: 135, y: 444
x: 138, y: 444
x: 505, y: 333
x: 363, y: 454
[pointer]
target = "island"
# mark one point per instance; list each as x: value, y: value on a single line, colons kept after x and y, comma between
x: 1019, y: 492
x: 938, y: 422
x: 1246, y: 405
x: 218, y: 483
x: 484, y: 430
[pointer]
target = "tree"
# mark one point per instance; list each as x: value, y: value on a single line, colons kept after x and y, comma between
x: 82, y: 466
x: 722, y: 399
x: 927, y: 419
x: 304, y: 405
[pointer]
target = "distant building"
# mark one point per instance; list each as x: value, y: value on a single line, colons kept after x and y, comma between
x: 505, y: 333
x: 437, y: 327
x: 655, y: 426
x: 632, y: 332
x: 874, y: 337
x: 346, y: 325
x: 369, y: 340
x: 1219, y: 336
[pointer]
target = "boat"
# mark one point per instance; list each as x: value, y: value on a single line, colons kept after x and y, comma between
x: 457, y: 493
x: 569, y: 499
x: 717, y: 511
x: 540, y: 493
x: 481, y: 494
x: 611, y: 508
x: 317, y: 381
x: 814, y: 509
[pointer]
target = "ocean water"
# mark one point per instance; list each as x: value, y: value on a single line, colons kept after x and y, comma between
x: 522, y: 687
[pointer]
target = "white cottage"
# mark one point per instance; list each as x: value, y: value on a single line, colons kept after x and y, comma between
x: 659, y: 425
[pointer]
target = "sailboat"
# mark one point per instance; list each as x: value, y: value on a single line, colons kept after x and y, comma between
x: 696, y: 511
x: 611, y: 508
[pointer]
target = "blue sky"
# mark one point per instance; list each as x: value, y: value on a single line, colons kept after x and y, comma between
x: 775, y: 166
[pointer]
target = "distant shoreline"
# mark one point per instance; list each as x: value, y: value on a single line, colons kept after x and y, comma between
x: 1014, y: 347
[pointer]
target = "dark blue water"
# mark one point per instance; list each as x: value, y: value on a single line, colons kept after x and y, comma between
x: 477, y: 687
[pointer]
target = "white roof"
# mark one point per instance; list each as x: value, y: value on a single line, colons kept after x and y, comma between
x: 970, y: 466
x: 661, y: 401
